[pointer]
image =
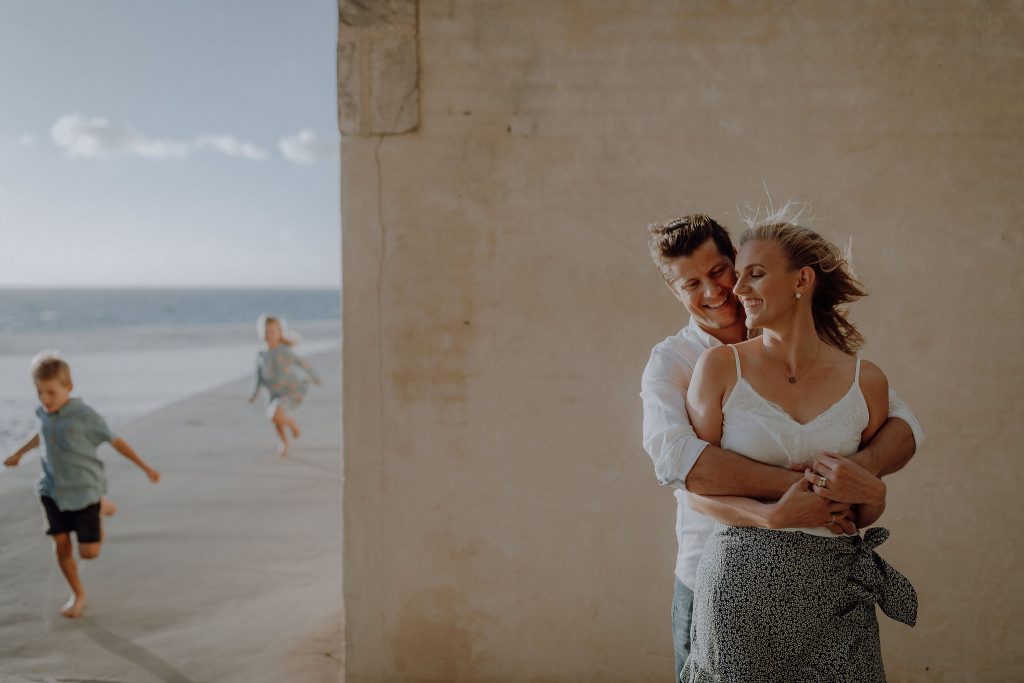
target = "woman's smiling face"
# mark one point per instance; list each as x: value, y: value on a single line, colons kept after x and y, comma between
x: 766, y: 286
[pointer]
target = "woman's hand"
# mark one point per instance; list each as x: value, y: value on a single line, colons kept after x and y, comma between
x: 801, y: 508
x: 845, y: 481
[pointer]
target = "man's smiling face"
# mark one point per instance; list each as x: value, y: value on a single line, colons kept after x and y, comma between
x: 703, y: 283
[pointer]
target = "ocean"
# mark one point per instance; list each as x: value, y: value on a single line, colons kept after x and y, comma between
x: 133, y: 351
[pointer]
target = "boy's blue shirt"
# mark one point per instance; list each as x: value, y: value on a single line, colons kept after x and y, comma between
x: 73, y: 475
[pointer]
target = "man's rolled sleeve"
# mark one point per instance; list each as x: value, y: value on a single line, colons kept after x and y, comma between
x: 898, y: 408
x: 667, y: 434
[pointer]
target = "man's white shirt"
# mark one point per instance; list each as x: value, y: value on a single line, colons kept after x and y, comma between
x: 673, y: 445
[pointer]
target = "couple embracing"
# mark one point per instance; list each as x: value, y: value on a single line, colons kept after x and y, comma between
x: 776, y: 436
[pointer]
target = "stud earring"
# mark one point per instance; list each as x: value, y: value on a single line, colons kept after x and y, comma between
x: 798, y: 295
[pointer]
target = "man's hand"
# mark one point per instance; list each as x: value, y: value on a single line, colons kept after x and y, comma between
x: 153, y: 475
x: 801, y: 508
x: 13, y: 460
x: 845, y: 481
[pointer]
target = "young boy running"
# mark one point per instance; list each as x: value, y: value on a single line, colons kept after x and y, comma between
x: 72, y: 485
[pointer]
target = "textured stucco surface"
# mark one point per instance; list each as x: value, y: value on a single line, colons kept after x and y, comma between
x: 502, y: 522
x: 377, y: 67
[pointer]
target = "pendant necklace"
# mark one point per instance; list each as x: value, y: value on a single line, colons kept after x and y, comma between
x: 793, y: 377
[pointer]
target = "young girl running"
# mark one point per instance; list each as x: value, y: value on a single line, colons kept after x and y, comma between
x: 275, y: 370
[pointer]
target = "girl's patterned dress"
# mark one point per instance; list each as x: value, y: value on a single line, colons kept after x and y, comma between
x: 276, y: 370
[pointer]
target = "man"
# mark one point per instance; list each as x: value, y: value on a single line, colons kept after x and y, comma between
x: 695, y: 257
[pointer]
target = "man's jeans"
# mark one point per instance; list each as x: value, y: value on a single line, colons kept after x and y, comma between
x: 682, y: 611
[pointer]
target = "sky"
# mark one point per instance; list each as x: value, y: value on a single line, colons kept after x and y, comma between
x: 168, y: 143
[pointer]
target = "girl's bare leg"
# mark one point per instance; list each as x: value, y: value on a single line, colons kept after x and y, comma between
x: 293, y: 426
x: 280, y: 420
x: 66, y: 559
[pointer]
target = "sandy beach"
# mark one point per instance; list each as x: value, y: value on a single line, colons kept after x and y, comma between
x: 228, y: 570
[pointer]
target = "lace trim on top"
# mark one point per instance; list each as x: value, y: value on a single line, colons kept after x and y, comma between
x: 764, y: 431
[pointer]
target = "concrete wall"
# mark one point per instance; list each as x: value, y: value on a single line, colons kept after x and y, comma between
x: 502, y: 522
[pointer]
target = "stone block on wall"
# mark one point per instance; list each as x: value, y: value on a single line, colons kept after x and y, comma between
x: 378, y: 67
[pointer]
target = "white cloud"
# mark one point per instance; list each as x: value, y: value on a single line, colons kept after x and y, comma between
x: 305, y: 148
x: 231, y: 146
x: 98, y: 138
x: 26, y: 139
x: 158, y: 149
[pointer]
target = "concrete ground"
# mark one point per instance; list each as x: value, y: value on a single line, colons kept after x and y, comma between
x: 228, y: 570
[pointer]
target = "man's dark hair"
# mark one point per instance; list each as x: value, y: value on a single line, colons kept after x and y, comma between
x: 682, y: 237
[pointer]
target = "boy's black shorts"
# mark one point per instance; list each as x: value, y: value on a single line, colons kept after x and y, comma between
x: 85, y: 522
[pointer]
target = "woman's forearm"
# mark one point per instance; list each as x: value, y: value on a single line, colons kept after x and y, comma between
x: 733, y: 510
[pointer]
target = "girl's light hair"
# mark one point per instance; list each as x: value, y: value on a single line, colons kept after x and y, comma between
x: 835, y: 284
x: 288, y: 338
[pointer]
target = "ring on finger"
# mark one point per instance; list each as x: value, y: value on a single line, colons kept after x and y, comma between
x: 833, y: 522
x: 822, y: 481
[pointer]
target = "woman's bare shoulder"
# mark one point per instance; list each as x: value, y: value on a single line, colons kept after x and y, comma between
x: 872, y: 380
x: 716, y: 367
x: 749, y: 347
x: 716, y: 358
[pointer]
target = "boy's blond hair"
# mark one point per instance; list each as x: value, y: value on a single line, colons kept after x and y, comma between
x: 48, y: 366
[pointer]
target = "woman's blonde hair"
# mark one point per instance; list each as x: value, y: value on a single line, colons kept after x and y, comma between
x: 835, y: 285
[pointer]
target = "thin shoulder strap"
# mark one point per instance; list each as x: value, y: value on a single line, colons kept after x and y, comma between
x: 856, y: 373
x: 739, y: 375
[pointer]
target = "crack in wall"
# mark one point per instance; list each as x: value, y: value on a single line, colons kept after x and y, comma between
x: 382, y: 231
x: 378, y: 95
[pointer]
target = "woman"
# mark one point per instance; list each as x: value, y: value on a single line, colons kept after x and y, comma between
x: 777, y: 604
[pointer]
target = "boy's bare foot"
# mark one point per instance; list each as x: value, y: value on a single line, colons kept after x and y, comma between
x: 282, y: 450
x: 107, y: 507
x: 73, y: 607
x: 295, y: 430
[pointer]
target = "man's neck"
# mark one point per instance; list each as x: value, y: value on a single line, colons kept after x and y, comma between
x: 733, y: 334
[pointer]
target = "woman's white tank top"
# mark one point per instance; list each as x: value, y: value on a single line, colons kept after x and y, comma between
x: 761, y: 430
